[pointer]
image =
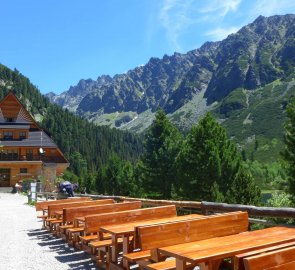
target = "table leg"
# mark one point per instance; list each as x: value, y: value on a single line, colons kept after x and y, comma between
x: 180, y: 264
x: 115, y: 250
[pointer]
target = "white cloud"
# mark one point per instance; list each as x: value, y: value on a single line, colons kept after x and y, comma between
x: 218, y: 18
x: 221, y: 33
x: 272, y: 7
x: 177, y: 15
x: 220, y: 8
x: 174, y: 17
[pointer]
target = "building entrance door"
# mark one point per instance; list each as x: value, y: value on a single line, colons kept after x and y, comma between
x: 4, y: 177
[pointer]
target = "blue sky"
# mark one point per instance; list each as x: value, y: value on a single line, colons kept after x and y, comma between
x: 56, y: 43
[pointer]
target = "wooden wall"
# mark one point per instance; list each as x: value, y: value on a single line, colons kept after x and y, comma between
x: 34, y: 169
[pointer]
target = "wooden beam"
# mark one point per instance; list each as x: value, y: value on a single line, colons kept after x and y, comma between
x: 283, y: 212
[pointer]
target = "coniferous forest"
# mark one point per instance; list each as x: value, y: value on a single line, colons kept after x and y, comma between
x: 86, y: 146
x: 162, y: 163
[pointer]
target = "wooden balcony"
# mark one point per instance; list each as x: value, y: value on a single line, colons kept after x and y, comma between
x: 16, y: 157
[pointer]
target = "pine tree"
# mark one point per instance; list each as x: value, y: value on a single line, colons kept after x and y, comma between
x: 157, y: 166
x: 243, y: 189
x: 116, y: 177
x: 209, y: 165
x: 289, y: 152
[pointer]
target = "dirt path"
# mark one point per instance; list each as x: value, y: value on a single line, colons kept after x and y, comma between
x: 23, y: 245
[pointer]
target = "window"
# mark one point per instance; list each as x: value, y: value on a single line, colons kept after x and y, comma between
x: 22, y: 135
x: 13, y: 154
x: 7, y: 135
x: 4, y: 174
x: 9, y: 154
x: 29, y: 154
x: 23, y: 170
x: 10, y: 119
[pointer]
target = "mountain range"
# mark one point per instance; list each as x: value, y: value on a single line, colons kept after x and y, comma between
x: 246, y: 81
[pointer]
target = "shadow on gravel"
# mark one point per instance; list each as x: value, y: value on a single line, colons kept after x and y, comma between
x: 75, y: 259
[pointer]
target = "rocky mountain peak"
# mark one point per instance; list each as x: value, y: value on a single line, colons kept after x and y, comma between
x: 259, y: 53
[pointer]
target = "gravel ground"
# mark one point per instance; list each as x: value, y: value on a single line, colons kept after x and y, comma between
x: 23, y: 245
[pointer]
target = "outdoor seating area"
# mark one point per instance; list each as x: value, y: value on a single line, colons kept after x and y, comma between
x: 123, y: 235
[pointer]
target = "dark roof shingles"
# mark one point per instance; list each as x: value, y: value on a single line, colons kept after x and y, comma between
x: 33, y: 140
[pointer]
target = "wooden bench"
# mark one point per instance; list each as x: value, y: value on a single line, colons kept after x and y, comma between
x: 59, y: 207
x: 282, y: 259
x: 69, y: 215
x: 43, y: 206
x: 213, y: 251
x: 238, y: 263
x: 94, y: 223
x: 156, y: 236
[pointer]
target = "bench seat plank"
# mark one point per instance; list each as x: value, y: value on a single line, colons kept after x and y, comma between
x: 102, y: 243
x: 87, y: 238
x: 139, y: 255
x: 238, y: 259
x: 165, y: 265
x: 286, y: 266
x: 270, y: 259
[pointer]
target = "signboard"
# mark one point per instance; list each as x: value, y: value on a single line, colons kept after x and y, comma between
x: 33, y: 191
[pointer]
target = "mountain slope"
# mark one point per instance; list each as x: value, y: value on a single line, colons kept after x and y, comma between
x: 258, y: 54
x: 239, y: 68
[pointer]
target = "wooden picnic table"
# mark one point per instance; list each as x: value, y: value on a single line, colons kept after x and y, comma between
x: 212, y: 251
x: 127, y: 230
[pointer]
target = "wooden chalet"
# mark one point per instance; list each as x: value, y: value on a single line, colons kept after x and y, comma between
x: 26, y: 151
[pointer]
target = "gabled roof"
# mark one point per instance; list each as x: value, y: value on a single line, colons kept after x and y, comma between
x: 11, y: 107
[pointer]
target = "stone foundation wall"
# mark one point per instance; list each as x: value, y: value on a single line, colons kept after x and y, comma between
x: 49, y: 174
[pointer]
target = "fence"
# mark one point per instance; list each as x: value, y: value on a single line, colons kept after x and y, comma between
x: 203, y: 207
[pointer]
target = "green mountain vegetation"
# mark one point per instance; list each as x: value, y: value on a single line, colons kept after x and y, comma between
x: 288, y: 153
x: 203, y: 165
x: 110, y: 161
x: 86, y: 146
x: 255, y: 118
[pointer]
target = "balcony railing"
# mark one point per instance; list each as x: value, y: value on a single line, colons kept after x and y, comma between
x: 16, y: 157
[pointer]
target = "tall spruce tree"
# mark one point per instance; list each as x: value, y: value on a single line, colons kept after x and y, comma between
x: 209, y: 165
x: 116, y: 178
x: 289, y: 152
x: 243, y: 189
x: 157, y: 165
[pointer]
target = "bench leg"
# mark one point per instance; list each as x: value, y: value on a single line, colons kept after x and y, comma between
x: 114, y: 266
x: 108, y: 257
x: 126, y: 264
